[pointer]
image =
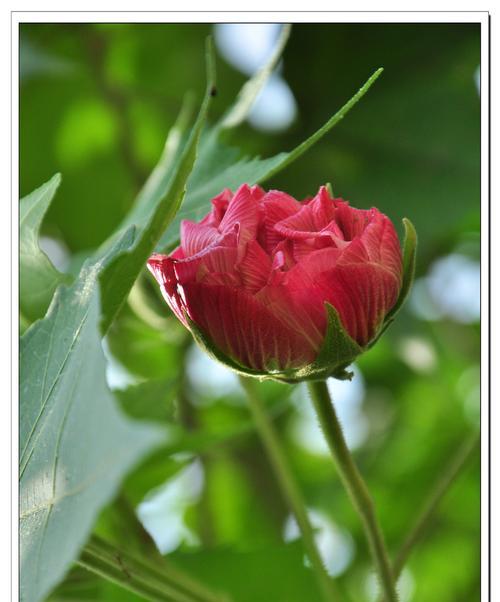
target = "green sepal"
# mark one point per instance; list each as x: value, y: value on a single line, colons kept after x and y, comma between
x: 337, y: 352
x: 409, y: 262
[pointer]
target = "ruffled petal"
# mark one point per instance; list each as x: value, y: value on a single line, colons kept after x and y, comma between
x: 382, y: 243
x: 196, y: 237
x: 219, y: 207
x: 298, y: 295
x: 275, y: 207
x: 162, y: 268
x: 255, y: 267
x: 243, y: 214
x: 283, y: 257
x: 361, y: 291
x: 351, y: 222
x: 244, y: 329
x: 219, y: 258
x: 362, y: 294
x: 314, y: 220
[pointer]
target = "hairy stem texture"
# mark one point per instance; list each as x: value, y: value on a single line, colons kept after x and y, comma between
x: 354, y: 484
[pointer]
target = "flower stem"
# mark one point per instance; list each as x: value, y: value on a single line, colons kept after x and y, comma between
x: 354, y: 484
x: 151, y: 582
x: 289, y: 487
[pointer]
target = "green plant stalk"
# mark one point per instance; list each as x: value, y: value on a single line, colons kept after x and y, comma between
x: 151, y: 581
x: 141, y: 585
x: 165, y: 573
x: 354, y: 484
x: 339, y: 115
x: 289, y: 487
x: 446, y: 480
x: 106, y: 570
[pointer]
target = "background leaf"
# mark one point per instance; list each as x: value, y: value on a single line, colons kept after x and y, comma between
x: 163, y: 196
x: 275, y: 573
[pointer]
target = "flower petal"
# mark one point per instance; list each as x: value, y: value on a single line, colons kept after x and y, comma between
x: 196, y: 237
x: 243, y: 213
x: 245, y: 329
x: 220, y: 204
x: 255, y: 267
x: 275, y: 207
x: 162, y: 268
x: 351, y: 221
x: 382, y: 243
x: 314, y: 220
x: 219, y: 258
x: 298, y: 297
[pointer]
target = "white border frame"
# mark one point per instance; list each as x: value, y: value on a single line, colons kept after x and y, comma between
x: 18, y: 17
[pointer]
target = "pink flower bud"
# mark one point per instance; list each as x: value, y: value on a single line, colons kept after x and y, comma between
x: 255, y: 275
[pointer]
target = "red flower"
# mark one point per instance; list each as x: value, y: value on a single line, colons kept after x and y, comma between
x: 254, y: 275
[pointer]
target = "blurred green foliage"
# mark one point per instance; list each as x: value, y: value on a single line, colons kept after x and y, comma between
x: 96, y: 104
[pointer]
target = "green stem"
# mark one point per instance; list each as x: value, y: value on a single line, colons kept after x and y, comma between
x: 151, y: 582
x: 445, y: 481
x: 289, y: 487
x: 339, y: 115
x: 112, y: 573
x: 354, y: 484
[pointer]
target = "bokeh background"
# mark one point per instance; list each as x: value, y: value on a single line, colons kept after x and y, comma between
x: 96, y: 104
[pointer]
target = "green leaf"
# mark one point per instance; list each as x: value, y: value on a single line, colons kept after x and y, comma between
x: 75, y: 444
x: 162, y: 197
x: 149, y: 400
x: 145, y: 351
x: 38, y: 277
x: 151, y: 193
x: 220, y: 166
x: 247, y: 95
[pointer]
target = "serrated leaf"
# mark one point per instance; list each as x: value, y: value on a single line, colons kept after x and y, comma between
x: 219, y: 166
x: 38, y: 277
x: 75, y: 444
x: 162, y: 198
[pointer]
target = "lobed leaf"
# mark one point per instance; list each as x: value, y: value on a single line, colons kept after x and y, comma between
x: 75, y: 444
x: 38, y: 278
